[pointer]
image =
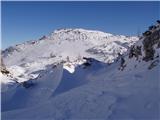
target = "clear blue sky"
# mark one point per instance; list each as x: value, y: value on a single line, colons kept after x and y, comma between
x: 23, y: 21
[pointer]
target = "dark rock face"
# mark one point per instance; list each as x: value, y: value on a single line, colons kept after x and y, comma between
x: 135, y: 51
x: 153, y: 64
x: 3, y: 68
x: 28, y: 84
x: 43, y: 37
x: 149, y: 46
x: 88, y: 61
x: 149, y: 42
x: 4, y: 71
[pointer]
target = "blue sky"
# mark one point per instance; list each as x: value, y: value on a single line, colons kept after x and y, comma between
x: 23, y: 21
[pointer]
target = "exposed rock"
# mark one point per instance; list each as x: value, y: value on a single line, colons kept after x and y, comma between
x: 3, y: 68
x: 148, y: 44
x: 153, y: 64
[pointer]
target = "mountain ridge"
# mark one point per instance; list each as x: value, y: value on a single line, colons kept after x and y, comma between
x: 79, y: 39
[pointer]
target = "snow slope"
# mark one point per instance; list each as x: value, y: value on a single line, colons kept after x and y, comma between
x: 130, y: 95
x: 42, y: 88
x: 75, y: 88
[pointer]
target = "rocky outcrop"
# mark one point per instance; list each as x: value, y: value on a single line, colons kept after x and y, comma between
x: 147, y: 47
x: 3, y: 68
x: 150, y: 42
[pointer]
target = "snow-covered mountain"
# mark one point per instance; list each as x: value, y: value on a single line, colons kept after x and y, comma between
x: 81, y: 74
x: 64, y: 45
x: 73, y: 43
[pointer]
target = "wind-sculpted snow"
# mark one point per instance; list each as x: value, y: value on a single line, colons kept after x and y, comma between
x: 81, y: 76
x: 33, y: 91
x: 107, y: 97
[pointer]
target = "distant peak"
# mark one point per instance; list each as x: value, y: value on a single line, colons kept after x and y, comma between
x: 78, y: 30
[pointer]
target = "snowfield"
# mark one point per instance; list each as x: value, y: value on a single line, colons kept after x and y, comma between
x: 74, y: 74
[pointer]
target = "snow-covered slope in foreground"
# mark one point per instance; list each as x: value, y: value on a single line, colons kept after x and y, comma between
x: 82, y: 88
x: 124, y: 96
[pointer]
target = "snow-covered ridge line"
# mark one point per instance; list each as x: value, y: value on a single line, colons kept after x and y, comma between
x: 72, y: 30
x: 80, y: 30
x: 70, y: 42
